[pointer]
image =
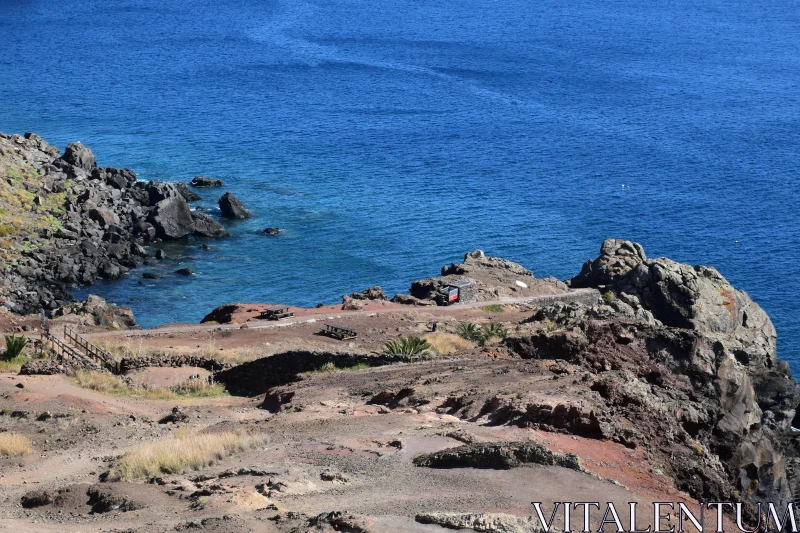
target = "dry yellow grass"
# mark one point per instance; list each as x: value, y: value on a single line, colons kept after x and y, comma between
x: 110, y: 384
x: 14, y: 444
x: 446, y: 343
x: 183, y: 451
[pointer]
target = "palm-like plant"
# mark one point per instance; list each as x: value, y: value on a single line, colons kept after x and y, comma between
x: 469, y: 331
x: 407, y: 346
x: 15, y: 346
x: 494, y: 331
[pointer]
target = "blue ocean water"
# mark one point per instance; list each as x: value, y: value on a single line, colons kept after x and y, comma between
x: 388, y: 138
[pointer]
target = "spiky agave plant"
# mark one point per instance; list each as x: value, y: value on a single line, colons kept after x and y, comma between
x: 407, y: 346
x: 15, y: 346
x: 469, y: 331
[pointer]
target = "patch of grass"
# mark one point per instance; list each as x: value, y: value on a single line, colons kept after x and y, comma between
x: 13, y: 365
x: 184, y: 450
x: 15, y: 346
x: 550, y: 326
x: 609, y: 296
x: 407, y: 346
x: 7, y: 230
x: 330, y: 367
x: 115, y: 386
x: 493, y: 308
x: 446, y: 343
x: 14, y: 444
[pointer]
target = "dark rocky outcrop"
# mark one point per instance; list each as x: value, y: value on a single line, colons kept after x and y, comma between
x: 372, y: 293
x: 232, y: 207
x: 203, y: 181
x: 272, y: 231
x: 205, y: 226
x: 79, y: 222
x: 78, y: 155
x: 188, y: 194
x: 172, y: 218
x: 680, y: 362
x: 497, y: 455
x: 95, y: 311
x: 491, y: 278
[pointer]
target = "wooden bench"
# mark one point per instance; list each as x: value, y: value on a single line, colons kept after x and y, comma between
x: 339, y: 332
x: 276, y: 312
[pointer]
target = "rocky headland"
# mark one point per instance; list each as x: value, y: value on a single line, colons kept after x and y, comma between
x: 65, y: 221
x: 639, y: 379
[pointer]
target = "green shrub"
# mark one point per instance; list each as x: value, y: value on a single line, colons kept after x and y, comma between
x: 15, y: 346
x: 407, y: 346
x: 494, y: 331
x: 493, y: 308
x: 469, y: 331
x: 609, y: 296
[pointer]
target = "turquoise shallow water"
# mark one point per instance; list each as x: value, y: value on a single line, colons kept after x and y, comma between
x: 388, y: 138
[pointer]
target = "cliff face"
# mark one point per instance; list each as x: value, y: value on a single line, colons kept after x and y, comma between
x: 706, y: 367
x: 64, y: 221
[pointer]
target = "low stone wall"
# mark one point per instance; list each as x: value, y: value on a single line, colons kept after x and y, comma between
x: 128, y: 364
x: 586, y: 297
x: 49, y: 367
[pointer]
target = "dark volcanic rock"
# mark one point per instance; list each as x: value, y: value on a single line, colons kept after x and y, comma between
x: 188, y: 194
x: 184, y: 272
x: 96, y: 227
x: 501, y: 455
x: 81, y: 156
x: 373, y: 293
x: 202, y: 181
x: 272, y: 231
x: 683, y: 363
x: 231, y: 207
x: 172, y: 218
x: 205, y: 226
x: 95, y: 311
x: 36, y: 498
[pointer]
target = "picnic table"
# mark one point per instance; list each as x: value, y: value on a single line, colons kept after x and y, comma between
x: 276, y: 312
x: 339, y: 332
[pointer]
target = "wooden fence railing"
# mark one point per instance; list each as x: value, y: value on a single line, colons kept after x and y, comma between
x: 92, y: 351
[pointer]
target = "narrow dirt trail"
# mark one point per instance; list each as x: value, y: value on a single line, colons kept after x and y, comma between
x: 334, y: 312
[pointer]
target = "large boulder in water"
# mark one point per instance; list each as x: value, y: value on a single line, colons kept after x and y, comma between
x: 205, y: 226
x: 172, y: 218
x: 81, y: 156
x: 232, y: 207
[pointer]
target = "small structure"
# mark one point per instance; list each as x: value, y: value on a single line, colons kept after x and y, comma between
x: 276, y: 312
x: 458, y: 291
x: 339, y: 332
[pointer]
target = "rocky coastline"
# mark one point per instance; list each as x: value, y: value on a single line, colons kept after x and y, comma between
x: 647, y: 353
x: 65, y: 221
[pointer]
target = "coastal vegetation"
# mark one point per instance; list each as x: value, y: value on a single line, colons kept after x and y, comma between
x: 410, y: 345
x: 445, y: 343
x: 15, y: 346
x: 14, y: 444
x: 116, y: 386
x: 182, y: 451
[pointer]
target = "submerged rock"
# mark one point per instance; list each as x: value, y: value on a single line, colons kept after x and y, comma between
x: 203, y: 181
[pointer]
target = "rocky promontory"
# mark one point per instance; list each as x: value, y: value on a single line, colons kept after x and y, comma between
x: 65, y: 221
